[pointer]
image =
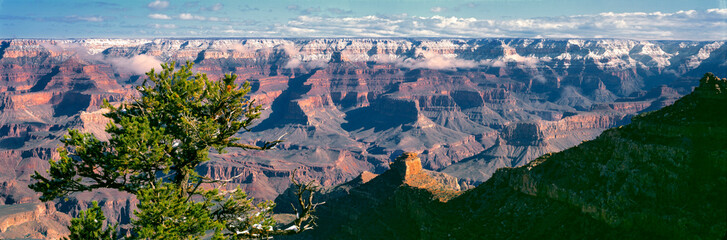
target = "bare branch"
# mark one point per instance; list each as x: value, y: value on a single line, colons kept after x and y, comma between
x: 223, y: 180
x: 266, y: 145
x: 305, y: 220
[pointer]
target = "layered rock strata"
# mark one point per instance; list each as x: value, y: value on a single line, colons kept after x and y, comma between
x: 346, y: 106
x: 661, y: 176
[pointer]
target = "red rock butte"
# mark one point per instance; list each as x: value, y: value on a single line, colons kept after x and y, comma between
x: 408, y: 167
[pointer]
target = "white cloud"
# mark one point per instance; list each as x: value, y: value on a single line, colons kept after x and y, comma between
x: 339, y: 11
x: 188, y: 16
x: 720, y: 11
x: 233, y: 31
x: 217, y: 7
x: 436, y: 9
x: 438, y: 61
x: 296, y: 58
x: 166, y: 26
x: 292, y: 63
x: 158, y: 4
x: 91, y: 19
x: 159, y: 16
x: 138, y: 64
x: 76, y: 18
x: 237, y: 47
x: 75, y: 49
x: 680, y: 25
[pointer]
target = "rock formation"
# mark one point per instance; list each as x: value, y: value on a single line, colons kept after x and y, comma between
x: 400, y: 195
x: 32, y: 220
x: 661, y: 176
x: 346, y: 106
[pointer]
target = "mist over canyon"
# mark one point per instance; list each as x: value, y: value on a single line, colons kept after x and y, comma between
x: 343, y: 106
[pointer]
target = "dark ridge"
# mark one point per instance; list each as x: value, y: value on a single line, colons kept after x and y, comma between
x: 44, y: 80
x: 3, y: 46
x: 82, y: 84
x: 714, y: 63
x: 284, y: 111
x: 660, y: 177
x: 273, y: 70
x: 4, y: 130
x: 336, y: 58
x: 384, y: 113
x: 200, y: 57
x: 373, y: 51
x: 13, y: 142
x: 71, y: 104
x: 134, y: 79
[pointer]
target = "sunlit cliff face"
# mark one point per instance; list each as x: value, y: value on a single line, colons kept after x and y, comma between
x: 345, y: 106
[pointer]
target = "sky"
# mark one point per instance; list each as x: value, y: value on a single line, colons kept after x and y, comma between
x: 629, y: 19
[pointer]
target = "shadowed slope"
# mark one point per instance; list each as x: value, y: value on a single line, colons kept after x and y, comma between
x: 662, y: 176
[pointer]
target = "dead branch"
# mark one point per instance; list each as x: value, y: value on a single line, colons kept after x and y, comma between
x: 305, y: 219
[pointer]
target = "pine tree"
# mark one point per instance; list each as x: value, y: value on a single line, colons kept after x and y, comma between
x: 155, y: 144
x: 89, y: 225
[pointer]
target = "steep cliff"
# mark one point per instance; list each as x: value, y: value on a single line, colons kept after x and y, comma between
x: 346, y: 106
x: 32, y: 220
x: 394, y: 202
x: 664, y: 176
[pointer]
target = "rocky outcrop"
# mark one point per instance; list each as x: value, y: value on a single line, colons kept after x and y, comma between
x: 118, y: 207
x: 395, y: 198
x: 32, y: 220
x: 616, y: 178
x: 648, y: 179
x: 409, y: 169
x: 519, y: 143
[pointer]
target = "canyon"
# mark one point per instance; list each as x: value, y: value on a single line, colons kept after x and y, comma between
x: 660, y: 176
x: 467, y: 107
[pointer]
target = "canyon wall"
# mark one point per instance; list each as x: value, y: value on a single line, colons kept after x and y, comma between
x: 345, y: 106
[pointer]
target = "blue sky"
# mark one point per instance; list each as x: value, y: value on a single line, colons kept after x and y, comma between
x: 634, y: 19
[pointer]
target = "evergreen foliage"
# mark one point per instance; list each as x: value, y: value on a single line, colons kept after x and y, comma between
x: 155, y: 144
x: 89, y: 226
